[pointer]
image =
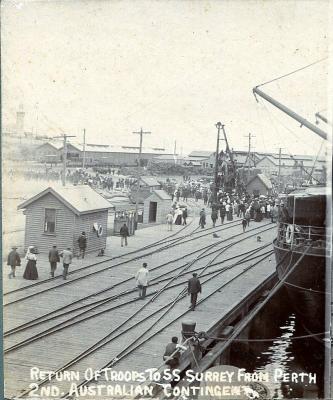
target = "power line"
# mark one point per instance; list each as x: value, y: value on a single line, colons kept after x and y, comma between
x: 293, y: 72
x: 290, y: 154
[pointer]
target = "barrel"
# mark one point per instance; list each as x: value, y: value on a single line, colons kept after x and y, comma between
x: 188, y: 329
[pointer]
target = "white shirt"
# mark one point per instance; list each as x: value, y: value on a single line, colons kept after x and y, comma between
x: 142, y: 276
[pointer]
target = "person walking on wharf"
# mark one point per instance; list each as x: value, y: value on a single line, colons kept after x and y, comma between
x: 53, y: 259
x: 222, y: 212
x: 169, y: 219
x: 194, y: 287
x: 214, y: 216
x: 82, y: 240
x: 142, y: 280
x: 248, y: 217
x: 30, y: 272
x: 184, y: 216
x: 244, y: 224
x: 202, y: 219
x: 13, y: 261
x: 67, y: 257
x: 124, y: 233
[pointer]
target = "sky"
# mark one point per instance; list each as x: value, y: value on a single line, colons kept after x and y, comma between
x: 174, y: 68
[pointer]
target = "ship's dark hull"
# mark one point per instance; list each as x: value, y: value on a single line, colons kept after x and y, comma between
x: 305, y: 285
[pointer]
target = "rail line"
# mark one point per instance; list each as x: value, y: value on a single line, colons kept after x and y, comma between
x: 130, y: 349
x: 175, y: 241
x: 62, y: 325
x: 101, y: 343
x: 126, y: 262
x: 49, y: 316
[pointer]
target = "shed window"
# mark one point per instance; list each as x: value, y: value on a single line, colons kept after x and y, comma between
x: 49, y: 221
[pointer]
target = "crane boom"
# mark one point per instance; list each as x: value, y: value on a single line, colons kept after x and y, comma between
x: 291, y: 113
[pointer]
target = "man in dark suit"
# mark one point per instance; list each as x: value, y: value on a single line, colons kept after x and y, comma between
x: 124, y: 233
x: 54, y: 258
x: 13, y: 261
x: 82, y: 240
x: 194, y: 287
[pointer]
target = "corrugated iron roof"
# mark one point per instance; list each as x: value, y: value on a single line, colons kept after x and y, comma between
x: 263, y: 179
x: 199, y: 153
x: 150, y: 181
x: 162, y: 194
x: 80, y: 199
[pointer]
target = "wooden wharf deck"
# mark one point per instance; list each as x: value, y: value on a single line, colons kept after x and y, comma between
x: 54, y: 350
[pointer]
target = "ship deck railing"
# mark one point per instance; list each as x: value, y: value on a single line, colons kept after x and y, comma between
x: 297, y: 237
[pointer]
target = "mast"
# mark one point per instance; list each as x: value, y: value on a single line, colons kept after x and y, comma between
x: 291, y: 113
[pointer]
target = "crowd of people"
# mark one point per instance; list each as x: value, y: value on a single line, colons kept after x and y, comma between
x: 102, y: 178
x: 226, y: 207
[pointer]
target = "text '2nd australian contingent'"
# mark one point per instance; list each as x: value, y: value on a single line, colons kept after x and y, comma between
x: 132, y: 383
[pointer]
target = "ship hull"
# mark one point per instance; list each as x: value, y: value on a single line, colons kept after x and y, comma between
x: 305, y: 286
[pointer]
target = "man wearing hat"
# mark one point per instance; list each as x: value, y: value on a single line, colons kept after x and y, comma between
x: 53, y: 259
x: 82, y: 240
x: 142, y: 279
x: 194, y: 287
x: 14, y: 261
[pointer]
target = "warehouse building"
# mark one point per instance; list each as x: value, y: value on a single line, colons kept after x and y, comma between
x: 99, y: 154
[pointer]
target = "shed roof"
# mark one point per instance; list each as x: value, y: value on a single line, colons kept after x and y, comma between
x: 81, y: 199
x: 173, y: 157
x: 263, y: 179
x: 162, y: 194
x: 56, y: 146
x: 202, y: 154
x: 150, y: 181
x: 105, y: 148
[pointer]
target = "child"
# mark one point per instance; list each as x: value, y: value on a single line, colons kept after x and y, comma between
x: 244, y: 223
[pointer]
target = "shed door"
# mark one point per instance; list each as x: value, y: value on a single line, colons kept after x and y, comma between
x: 152, y: 211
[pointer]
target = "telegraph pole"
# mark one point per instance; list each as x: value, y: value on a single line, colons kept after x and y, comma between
x: 141, y: 133
x: 249, y: 151
x: 84, y: 149
x: 219, y: 126
x: 64, y: 156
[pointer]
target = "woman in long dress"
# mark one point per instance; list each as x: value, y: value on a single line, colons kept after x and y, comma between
x: 178, y: 216
x: 30, y: 271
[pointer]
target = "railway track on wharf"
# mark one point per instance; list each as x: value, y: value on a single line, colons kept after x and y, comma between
x: 123, y: 344
x: 149, y: 246
x: 87, y: 314
x: 65, y: 310
x: 183, y: 240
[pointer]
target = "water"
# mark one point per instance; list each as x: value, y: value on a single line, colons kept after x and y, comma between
x: 275, y: 349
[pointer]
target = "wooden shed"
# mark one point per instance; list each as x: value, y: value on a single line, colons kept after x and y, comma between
x: 259, y: 184
x: 59, y: 216
x: 156, y: 207
x: 150, y: 183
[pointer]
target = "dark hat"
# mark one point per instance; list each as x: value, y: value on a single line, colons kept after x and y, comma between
x: 144, y: 264
x: 83, y: 233
x: 195, y: 274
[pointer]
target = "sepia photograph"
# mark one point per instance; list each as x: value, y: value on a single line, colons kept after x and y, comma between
x: 166, y: 199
